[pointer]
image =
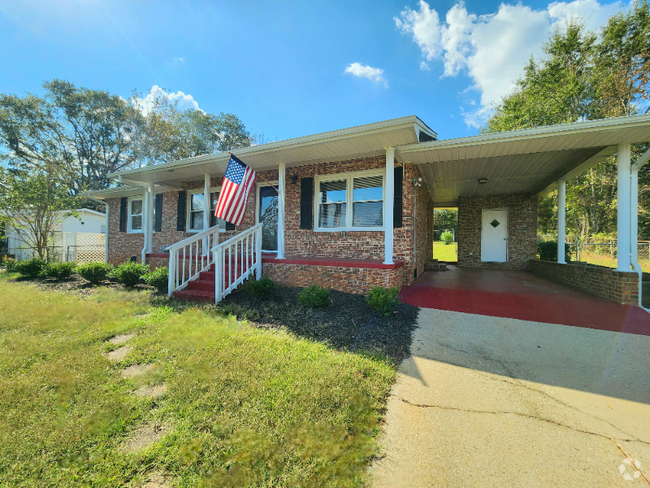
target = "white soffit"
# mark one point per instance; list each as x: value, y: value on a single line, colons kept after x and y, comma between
x: 525, y: 161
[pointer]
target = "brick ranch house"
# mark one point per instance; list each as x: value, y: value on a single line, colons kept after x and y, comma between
x: 352, y: 209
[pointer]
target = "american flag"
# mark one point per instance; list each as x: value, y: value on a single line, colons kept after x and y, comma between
x: 236, y: 186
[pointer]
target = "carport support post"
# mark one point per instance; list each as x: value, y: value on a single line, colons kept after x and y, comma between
x: 389, y: 203
x: 624, y: 211
x: 561, y: 221
x: 281, y: 174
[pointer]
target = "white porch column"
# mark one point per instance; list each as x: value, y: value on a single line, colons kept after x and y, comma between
x: 150, y: 208
x: 281, y: 175
x: 624, y: 224
x: 206, y: 212
x: 561, y: 221
x: 389, y: 197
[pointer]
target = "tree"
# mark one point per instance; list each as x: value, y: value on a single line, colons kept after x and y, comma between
x: 86, y: 134
x: 445, y: 220
x: 586, y: 76
x: 32, y: 204
x: 171, y: 134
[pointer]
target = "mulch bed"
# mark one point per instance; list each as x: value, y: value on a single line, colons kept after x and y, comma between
x: 77, y: 285
x: 348, y: 323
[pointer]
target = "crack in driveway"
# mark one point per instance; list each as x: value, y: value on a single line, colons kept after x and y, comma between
x: 531, y: 417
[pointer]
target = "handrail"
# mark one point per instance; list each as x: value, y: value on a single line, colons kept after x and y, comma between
x: 235, y: 260
x: 241, y: 235
x: 191, y: 239
x: 189, y: 257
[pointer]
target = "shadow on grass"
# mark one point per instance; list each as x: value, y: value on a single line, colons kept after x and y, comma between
x: 348, y: 323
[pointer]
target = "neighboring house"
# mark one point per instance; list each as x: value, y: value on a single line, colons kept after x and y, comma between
x: 354, y: 207
x: 83, y: 233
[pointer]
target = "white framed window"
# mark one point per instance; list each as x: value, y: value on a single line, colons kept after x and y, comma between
x: 351, y: 201
x: 136, y: 209
x: 195, y: 209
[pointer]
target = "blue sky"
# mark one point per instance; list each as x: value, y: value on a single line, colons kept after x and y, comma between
x: 289, y: 69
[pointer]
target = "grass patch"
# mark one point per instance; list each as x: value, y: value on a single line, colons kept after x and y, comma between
x: 243, y: 406
x: 445, y: 253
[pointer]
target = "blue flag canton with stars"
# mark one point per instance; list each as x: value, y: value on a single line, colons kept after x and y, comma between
x: 235, y: 171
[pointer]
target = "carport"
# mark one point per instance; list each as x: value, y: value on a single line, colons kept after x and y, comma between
x: 496, y: 179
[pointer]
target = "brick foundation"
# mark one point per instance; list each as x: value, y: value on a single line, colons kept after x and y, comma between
x: 342, y: 278
x: 522, y: 229
x: 617, y: 286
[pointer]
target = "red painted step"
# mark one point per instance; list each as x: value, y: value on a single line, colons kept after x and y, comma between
x: 194, y: 295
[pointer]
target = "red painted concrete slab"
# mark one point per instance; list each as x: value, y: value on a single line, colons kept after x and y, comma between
x: 522, y: 295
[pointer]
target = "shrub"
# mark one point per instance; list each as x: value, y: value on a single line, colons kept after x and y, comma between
x: 447, y: 237
x: 547, y: 251
x: 94, y: 272
x: 384, y: 300
x: 129, y: 273
x: 314, y: 296
x: 10, y: 263
x: 260, y: 289
x: 159, y: 279
x: 30, y: 268
x: 59, y: 270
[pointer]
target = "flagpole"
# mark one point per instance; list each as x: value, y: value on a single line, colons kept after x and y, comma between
x: 270, y: 184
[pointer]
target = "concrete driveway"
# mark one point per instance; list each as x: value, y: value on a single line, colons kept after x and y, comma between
x: 489, y: 401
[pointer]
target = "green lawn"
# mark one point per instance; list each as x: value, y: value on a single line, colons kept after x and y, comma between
x: 243, y: 406
x: 442, y: 252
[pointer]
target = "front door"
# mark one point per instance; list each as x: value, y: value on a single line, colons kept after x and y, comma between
x: 268, y: 217
x: 494, y: 236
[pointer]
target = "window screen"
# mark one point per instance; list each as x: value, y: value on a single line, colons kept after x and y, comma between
x: 332, y: 204
x: 368, y: 203
x: 136, y: 214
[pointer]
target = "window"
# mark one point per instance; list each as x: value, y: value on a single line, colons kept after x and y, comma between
x: 135, y: 215
x: 351, y: 202
x: 196, y: 207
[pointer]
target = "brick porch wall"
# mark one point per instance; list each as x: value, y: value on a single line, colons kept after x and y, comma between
x: 346, y: 279
x: 617, y: 286
x: 302, y: 242
x: 522, y: 229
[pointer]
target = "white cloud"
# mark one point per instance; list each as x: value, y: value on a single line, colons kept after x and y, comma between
x: 492, y: 49
x: 182, y: 101
x: 360, y: 71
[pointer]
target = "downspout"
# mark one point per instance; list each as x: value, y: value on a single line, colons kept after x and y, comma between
x: 634, y: 227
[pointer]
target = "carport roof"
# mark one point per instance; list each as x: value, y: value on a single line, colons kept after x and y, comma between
x: 526, y: 161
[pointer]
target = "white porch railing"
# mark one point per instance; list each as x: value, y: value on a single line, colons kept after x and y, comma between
x: 187, y: 258
x: 235, y: 259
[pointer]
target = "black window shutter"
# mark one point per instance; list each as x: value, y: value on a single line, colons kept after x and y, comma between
x: 123, y: 204
x: 230, y: 226
x: 397, y: 208
x: 157, y: 224
x: 306, y: 202
x: 180, y: 211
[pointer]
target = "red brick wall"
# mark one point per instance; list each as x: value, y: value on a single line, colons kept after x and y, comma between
x: 522, y: 229
x: 617, y: 286
x: 349, y: 280
x: 303, y: 242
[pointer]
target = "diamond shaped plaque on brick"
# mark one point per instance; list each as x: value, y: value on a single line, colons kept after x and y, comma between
x: 495, y: 223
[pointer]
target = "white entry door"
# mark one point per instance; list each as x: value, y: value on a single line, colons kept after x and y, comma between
x: 494, y: 236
